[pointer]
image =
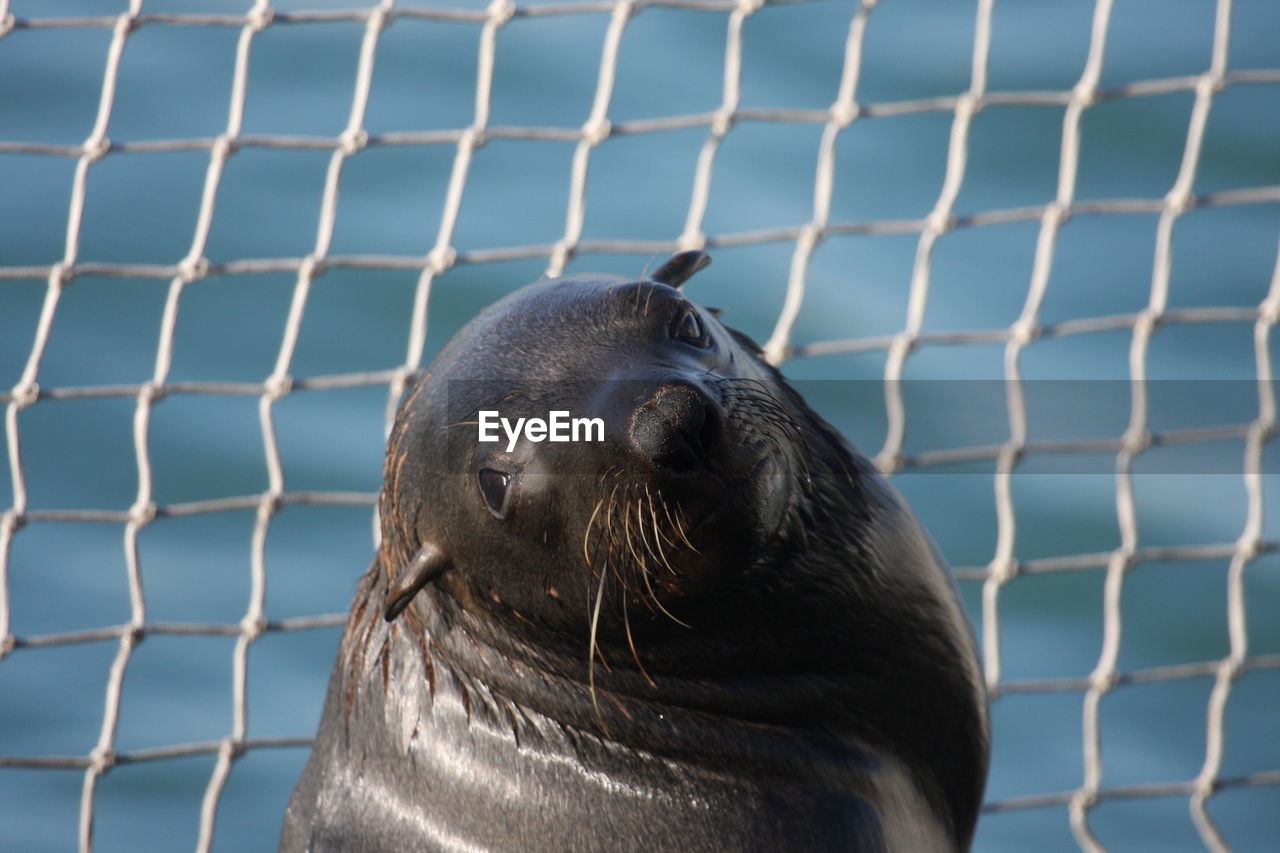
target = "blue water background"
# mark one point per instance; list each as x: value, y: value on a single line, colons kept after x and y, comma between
x: 174, y: 83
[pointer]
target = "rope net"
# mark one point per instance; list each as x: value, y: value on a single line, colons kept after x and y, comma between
x: 29, y: 394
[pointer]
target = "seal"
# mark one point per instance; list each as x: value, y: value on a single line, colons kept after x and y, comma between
x: 715, y: 628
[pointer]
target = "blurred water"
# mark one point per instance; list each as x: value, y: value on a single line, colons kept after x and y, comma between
x: 141, y: 207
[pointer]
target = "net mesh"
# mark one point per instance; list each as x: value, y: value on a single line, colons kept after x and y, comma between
x: 847, y: 112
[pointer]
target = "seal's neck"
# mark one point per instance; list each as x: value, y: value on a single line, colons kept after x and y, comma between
x: 473, y: 676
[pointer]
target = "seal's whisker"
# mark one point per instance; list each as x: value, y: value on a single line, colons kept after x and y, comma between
x: 682, y: 525
x: 642, y: 564
x: 657, y: 525
x: 642, y: 526
x: 593, y: 646
x: 586, y: 534
x: 674, y: 618
x: 657, y: 532
x: 607, y: 521
x: 627, y: 538
x: 646, y: 550
x: 657, y: 602
x: 648, y: 585
x: 635, y: 655
x: 644, y: 573
x: 678, y: 527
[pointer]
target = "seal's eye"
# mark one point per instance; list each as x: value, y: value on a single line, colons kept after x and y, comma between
x: 493, y: 486
x: 689, y: 329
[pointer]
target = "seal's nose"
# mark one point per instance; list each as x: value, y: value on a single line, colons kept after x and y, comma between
x: 676, y: 428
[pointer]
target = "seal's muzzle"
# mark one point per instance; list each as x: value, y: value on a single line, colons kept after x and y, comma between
x: 677, y: 428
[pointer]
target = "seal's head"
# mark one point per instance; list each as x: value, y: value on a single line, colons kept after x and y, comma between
x: 677, y: 460
x: 714, y: 606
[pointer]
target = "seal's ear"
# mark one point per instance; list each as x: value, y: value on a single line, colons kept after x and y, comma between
x: 427, y: 565
x: 681, y: 267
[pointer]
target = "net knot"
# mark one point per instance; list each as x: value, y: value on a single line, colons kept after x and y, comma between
x: 310, y: 267
x: 95, y: 148
x: 1136, y: 441
x: 379, y: 19
x: 1084, y: 94
x: 251, y: 627
x: 749, y: 7
x: 596, y: 131
x: 259, y: 18
x: 1024, y: 331
x: 353, y: 140
x: 134, y: 634
x: 1103, y: 681
x: 192, y: 269
x: 401, y: 378
x: 690, y: 241
x: 7, y: 644
x: 223, y: 147
x: 151, y: 392
x: 809, y: 237
x: 1249, y: 547
x: 501, y: 11
x: 845, y: 113
x: 1206, y: 787
x: 7, y: 24
x: 1269, y: 312
x: 473, y: 138
x: 1084, y: 799
x: 1210, y: 83
x: 12, y: 521
x: 1179, y: 201
x: 1121, y: 559
x: 269, y: 505
x: 232, y: 747
x: 940, y: 221
x: 441, y: 259
x: 1002, y: 570
x: 889, y: 464
x: 778, y: 352
x: 125, y: 24
x: 1011, y: 453
x: 969, y: 104
x: 101, y: 759
x: 24, y: 395
x: 1230, y: 669
x: 562, y: 254
x: 277, y: 387
x: 904, y: 344
x: 722, y: 122
x: 61, y: 274
x: 1147, y: 323
x: 142, y: 513
x: 1263, y: 431
x: 625, y: 10
x: 1057, y: 213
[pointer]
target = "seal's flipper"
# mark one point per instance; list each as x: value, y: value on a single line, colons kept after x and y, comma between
x: 427, y: 565
x: 681, y: 267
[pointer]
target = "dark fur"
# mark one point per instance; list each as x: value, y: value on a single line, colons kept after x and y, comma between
x: 795, y: 675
